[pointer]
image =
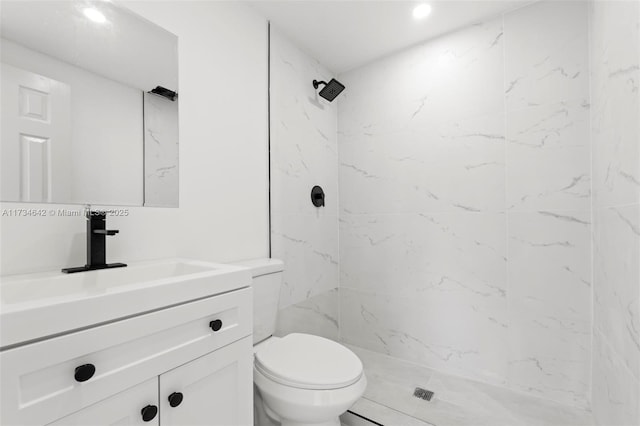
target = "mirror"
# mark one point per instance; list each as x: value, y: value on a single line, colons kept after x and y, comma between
x: 89, y: 111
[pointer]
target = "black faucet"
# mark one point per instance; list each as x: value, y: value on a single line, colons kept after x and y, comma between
x: 96, y: 243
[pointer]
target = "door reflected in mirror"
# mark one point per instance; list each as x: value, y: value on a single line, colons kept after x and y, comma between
x: 89, y: 105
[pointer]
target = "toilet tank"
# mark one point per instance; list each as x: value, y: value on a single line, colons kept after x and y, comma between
x: 267, y: 278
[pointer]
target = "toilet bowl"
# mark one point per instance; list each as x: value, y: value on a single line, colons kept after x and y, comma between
x: 306, y: 380
x: 299, y: 379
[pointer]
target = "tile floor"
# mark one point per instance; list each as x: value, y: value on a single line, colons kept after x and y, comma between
x: 389, y: 400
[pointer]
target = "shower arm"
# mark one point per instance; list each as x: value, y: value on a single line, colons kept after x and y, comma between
x: 317, y: 83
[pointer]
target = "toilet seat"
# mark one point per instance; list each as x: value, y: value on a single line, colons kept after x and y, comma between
x: 308, y: 362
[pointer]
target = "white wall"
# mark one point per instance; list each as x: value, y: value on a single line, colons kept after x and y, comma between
x: 615, y: 119
x: 304, y: 153
x: 465, y: 203
x: 223, y: 155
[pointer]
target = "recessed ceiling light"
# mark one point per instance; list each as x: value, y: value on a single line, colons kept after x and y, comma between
x: 95, y: 15
x: 421, y: 11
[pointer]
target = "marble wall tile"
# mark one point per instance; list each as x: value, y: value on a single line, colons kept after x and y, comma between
x: 550, y: 304
x: 423, y: 126
x: 445, y: 277
x: 405, y: 169
x: 405, y: 229
x: 546, y: 54
x: 303, y: 154
x: 615, y: 124
x: 304, y: 149
x: 549, y: 261
x: 617, y: 274
x: 615, y: 82
x: 160, y: 151
x: 297, y: 167
x: 547, y: 107
x: 449, y: 269
x: 547, y: 102
x: 442, y: 333
x: 430, y: 83
x: 308, y: 245
x: 461, y: 255
x: 549, y: 157
x: 455, y: 182
x: 550, y: 357
x: 318, y: 315
x: 616, y: 392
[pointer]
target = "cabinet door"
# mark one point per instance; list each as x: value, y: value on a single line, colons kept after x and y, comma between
x: 122, y: 409
x: 213, y: 390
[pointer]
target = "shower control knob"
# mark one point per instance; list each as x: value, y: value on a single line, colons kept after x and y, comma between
x: 317, y: 196
x: 175, y: 399
x: 84, y: 372
x: 149, y: 413
x: 215, y: 325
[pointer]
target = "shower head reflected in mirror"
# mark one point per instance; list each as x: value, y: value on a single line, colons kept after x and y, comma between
x: 330, y: 90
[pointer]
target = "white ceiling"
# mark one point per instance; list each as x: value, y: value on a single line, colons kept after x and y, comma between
x: 126, y: 48
x: 346, y: 34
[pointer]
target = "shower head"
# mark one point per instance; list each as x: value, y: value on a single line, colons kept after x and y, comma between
x: 330, y: 90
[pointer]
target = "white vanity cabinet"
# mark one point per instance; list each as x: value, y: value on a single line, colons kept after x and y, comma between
x: 211, y: 390
x: 107, y: 374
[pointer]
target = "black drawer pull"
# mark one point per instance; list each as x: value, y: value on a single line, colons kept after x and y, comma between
x: 215, y: 325
x: 149, y: 413
x: 175, y: 399
x: 84, y: 372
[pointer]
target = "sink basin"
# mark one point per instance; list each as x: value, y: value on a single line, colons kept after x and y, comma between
x: 31, y: 288
x: 35, y: 306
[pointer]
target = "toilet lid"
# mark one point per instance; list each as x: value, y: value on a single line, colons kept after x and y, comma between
x: 309, y: 362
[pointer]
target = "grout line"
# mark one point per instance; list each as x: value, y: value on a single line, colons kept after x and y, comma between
x: 144, y: 163
x: 592, y: 216
x: 484, y: 212
x: 506, y: 193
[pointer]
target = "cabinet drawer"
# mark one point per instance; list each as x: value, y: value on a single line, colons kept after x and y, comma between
x: 121, y: 409
x: 38, y: 384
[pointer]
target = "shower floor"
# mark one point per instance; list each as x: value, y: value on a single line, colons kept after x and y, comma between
x: 389, y: 400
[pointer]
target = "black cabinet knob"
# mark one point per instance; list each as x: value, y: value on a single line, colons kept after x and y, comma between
x: 84, y: 372
x: 175, y: 399
x: 149, y: 413
x: 215, y: 325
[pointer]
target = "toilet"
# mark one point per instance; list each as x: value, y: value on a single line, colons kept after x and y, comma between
x: 299, y: 379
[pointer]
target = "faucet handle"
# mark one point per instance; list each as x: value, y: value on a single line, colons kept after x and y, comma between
x: 106, y: 231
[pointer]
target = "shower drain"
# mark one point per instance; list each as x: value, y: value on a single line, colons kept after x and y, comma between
x: 423, y: 394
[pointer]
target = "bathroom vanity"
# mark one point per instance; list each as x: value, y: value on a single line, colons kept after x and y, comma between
x: 160, y: 343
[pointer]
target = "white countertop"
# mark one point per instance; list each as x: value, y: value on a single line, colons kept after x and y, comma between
x: 34, y: 306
